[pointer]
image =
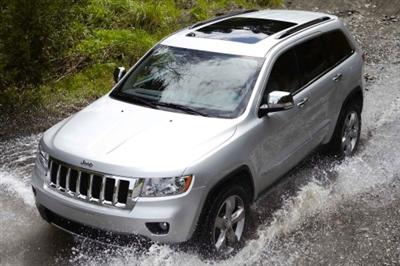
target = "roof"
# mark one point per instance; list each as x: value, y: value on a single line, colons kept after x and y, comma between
x: 214, y: 37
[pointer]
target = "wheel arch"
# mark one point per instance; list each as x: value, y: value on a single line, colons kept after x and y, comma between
x: 356, y: 95
x: 241, y: 175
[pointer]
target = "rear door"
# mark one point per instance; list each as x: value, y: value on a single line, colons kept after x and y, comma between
x: 316, y: 87
x: 345, y: 69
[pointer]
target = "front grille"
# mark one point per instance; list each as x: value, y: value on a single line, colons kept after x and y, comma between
x: 93, y: 187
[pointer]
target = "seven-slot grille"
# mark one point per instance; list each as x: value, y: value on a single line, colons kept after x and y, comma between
x: 92, y: 187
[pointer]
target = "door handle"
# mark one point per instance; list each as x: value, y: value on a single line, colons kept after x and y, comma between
x: 302, y: 102
x: 337, y: 77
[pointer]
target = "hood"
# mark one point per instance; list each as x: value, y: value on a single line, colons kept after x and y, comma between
x: 129, y: 137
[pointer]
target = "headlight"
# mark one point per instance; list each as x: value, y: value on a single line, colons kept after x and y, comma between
x: 43, y: 158
x: 159, y: 187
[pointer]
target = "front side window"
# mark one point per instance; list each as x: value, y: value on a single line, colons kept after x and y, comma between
x: 285, y: 74
x: 211, y: 84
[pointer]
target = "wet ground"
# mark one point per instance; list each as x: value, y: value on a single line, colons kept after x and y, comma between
x: 323, y: 212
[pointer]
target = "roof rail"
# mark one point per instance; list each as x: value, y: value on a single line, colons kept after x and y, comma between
x: 303, y: 26
x: 227, y: 15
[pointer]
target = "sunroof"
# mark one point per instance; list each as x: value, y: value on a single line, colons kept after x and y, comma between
x: 241, y: 29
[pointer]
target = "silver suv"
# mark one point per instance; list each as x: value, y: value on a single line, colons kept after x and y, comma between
x: 207, y: 120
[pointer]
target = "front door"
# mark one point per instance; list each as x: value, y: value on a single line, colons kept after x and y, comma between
x: 283, y: 134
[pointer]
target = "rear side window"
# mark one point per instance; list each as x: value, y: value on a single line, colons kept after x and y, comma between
x: 285, y: 74
x: 338, y: 47
x: 312, y: 59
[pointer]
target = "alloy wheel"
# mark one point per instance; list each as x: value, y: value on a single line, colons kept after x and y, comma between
x: 229, y: 224
x: 350, y: 133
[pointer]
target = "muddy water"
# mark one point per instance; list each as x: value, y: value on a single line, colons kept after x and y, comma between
x: 322, y: 212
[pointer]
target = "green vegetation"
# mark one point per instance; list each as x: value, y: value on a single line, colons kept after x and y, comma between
x: 64, y: 51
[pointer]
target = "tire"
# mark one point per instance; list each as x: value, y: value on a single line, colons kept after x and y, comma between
x: 346, y: 137
x: 221, y: 235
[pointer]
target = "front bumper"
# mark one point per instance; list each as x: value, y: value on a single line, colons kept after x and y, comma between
x: 180, y: 212
x: 75, y: 228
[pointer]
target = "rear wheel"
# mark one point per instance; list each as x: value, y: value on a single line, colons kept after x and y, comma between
x: 347, y: 132
x: 226, y: 222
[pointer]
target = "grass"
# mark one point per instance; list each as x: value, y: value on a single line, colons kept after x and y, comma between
x: 111, y: 33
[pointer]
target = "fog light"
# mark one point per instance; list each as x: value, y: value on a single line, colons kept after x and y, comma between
x: 161, y: 228
x: 164, y: 226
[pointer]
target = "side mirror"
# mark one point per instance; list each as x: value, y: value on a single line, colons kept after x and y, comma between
x: 119, y: 72
x: 277, y: 101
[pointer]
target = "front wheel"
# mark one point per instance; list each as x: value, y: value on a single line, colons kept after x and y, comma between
x: 347, y: 132
x: 226, y: 222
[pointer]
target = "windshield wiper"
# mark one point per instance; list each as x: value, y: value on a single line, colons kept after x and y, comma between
x: 186, y: 109
x: 139, y: 100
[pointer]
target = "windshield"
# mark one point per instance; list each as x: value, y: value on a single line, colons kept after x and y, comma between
x: 206, y: 83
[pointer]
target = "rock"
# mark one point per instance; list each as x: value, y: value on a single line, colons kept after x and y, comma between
x: 368, y: 77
